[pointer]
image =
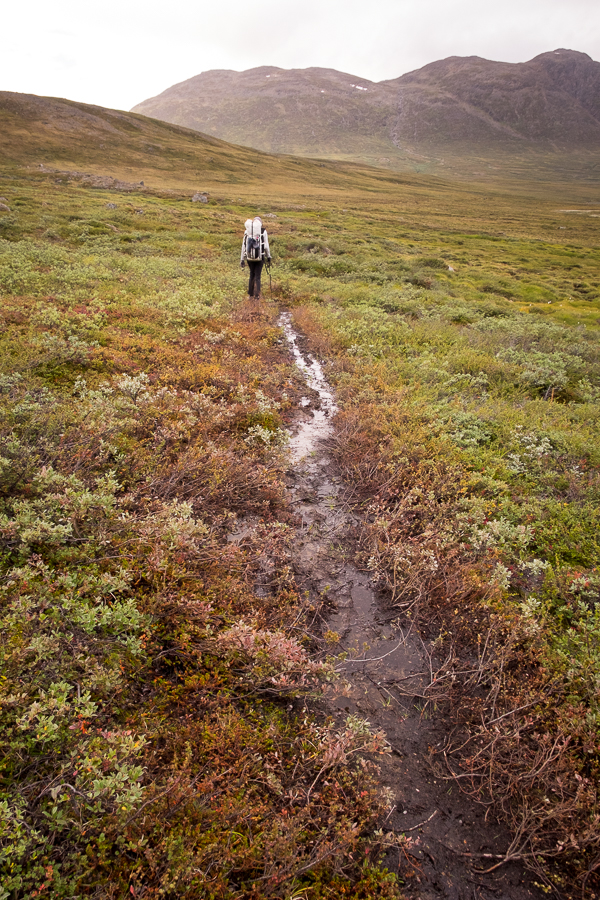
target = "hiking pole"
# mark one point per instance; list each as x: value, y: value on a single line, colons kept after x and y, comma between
x: 268, y: 268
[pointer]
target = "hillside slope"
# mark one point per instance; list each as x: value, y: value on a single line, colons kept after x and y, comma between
x: 52, y: 133
x: 438, y: 116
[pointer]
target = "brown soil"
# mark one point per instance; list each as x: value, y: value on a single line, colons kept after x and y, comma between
x: 383, y: 681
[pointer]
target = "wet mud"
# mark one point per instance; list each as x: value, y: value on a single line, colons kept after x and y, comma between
x: 385, y: 678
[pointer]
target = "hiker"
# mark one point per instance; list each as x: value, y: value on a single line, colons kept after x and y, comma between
x: 255, y: 249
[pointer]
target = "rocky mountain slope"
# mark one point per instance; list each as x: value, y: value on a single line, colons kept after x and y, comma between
x: 456, y: 106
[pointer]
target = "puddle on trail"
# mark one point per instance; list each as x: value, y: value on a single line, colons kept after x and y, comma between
x: 319, y: 426
x: 387, y: 670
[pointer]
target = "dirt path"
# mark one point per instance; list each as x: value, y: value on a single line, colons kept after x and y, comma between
x: 382, y: 683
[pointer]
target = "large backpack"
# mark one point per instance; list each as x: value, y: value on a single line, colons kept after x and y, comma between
x: 254, y: 244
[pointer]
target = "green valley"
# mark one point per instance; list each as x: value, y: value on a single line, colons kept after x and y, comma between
x: 155, y: 740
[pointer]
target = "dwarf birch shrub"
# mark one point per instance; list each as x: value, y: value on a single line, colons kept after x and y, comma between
x: 470, y: 433
x: 131, y: 443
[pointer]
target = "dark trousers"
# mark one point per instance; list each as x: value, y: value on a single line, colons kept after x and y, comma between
x: 255, y: 266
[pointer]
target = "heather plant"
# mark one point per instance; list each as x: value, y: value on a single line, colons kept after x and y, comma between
x: 467, y: 423
x: 148, y: 739
x: 139, y: 422
x: 497, y: 521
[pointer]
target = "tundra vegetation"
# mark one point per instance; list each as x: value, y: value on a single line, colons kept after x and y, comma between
x: 154, y: 653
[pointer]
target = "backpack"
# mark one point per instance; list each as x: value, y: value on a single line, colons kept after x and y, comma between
x: 254, y: 244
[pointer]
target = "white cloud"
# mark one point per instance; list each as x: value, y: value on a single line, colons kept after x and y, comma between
x: 120, y: 53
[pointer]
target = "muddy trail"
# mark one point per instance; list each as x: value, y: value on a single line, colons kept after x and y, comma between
x: 385, y: 678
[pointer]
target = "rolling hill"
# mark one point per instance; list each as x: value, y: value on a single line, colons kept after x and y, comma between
x: 52, y: 132
x: 89, y: 142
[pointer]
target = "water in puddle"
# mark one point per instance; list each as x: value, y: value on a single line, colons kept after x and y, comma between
x: 325, y: 519
x: 319, y: 426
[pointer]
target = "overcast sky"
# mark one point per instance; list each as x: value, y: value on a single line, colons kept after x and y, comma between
x: 121, y: 52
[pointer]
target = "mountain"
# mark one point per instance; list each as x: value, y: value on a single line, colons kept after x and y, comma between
x: 314, y: 112
x: 552, y: 101
x: 457, y: 107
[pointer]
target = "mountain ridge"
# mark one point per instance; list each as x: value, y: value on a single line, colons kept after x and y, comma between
x: 457, y: 106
